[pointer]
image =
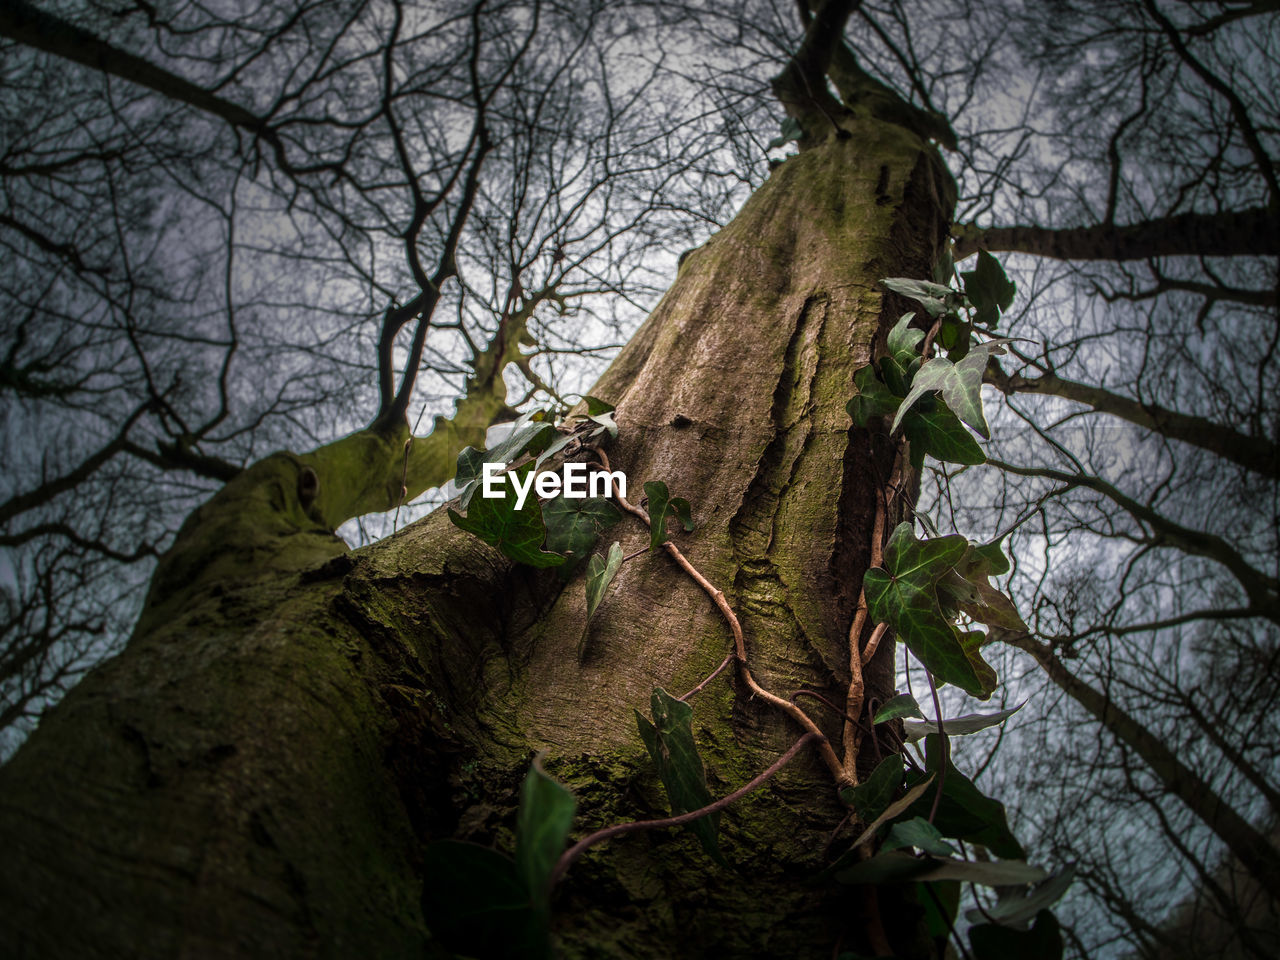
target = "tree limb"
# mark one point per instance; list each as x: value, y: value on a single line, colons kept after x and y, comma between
x: 1253, y: 453
x: 1252, y: 232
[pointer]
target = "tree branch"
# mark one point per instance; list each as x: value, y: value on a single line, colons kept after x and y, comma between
x: 1253, y: 453
x: 42, y: 31
x: 1241, y: 838
x: 1252, y: 232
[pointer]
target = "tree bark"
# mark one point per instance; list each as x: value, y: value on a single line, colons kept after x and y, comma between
x: 258, y: 771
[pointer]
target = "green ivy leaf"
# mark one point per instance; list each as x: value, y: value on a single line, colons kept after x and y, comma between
x: 895, y: 376
x: 957, y: 726
x: 934, y: 297
x: 1042, y: 942
x: 903, y: 705
x: 517, y: 533
x: 467, y: 476
x: 987, y: 604
x: 944, y: 268
x: 938, y: 433
x: 959, y: 383
x: 873, y: 398
x: 1016, y: 906
x: 941, y: 903
x: 475, y: 903
x: 791, y: 130
x: 662, y: 505
x: 897, y: 866
x: 904, y: 340
x: 904, y: 595
x: 995, y: 563
x: 542, y: 828
x: 989, y: 290
x: 600, y: 573
x: 872, y: 797
x: 573, y: 525
x: 669, y: 739
x: 596, y: 406
x: 918, y: 832
x: 965, y: 813
x: 561, y: 441
x: 528, y: 435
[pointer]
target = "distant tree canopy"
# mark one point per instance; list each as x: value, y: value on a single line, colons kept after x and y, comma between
x: 235, y: 229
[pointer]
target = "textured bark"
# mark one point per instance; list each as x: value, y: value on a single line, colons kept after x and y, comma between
x: 257, y: 773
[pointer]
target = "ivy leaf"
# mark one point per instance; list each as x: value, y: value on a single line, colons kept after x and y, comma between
x: 965, y: 813
x: 918, y: 832
x: 898, y: 866
x: 606, y: 424
x: 944, y: 268
x: 896, y: 376
x: 987, y: 604
x: 904, y: 340
x: 1042, y: 942
x: 662, y: 505
x: 989, y: 289
x: 904, y: 595
x: 938, y: 433
x: 990, y: 873
x: 1015, y: 907
x: 561, y: 441
x: 791, y: 130
x: 873, y: 398
x: 600, y: 573
x: 934, y: 297
x: 527, y: 435
x: 542, y: 828
x: 994, y: 609
x: 903, y: 705
x: 990, y: 554
x: 573, y: 524
x: 959, y: 383
x: 596, y: 406
x: 957, y: 726
x: 889, y: 814
x: 669, y: 739
x: 475, y: 902
x: 872, y: 797
x: 893, y: 811
x: 941, y: 902
x: 468, y: 475
x: 517, y: 533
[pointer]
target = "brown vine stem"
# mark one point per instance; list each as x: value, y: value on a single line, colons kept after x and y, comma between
x: 852, y: 736
x: 739, y: 642
x: 711, y: 676
x: 590, y: 840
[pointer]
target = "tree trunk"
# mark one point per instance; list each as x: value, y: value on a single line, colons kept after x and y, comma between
x: 257, y: 773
